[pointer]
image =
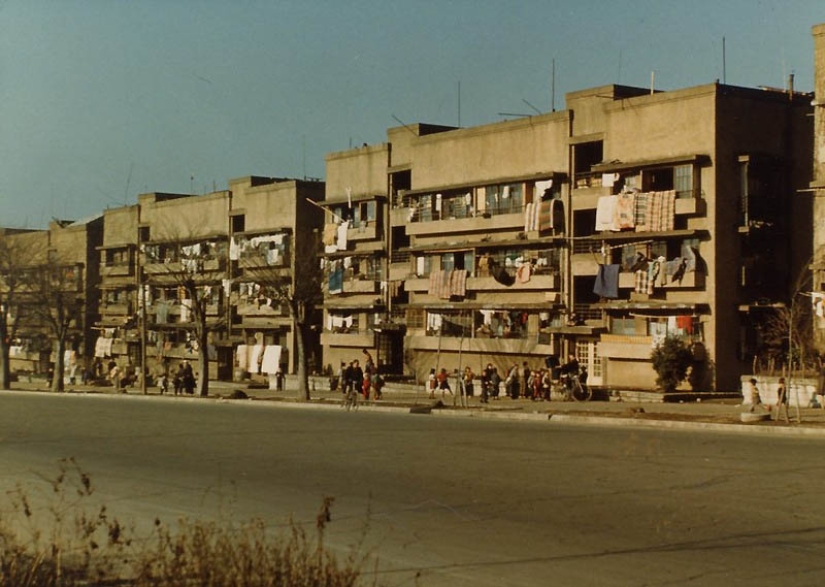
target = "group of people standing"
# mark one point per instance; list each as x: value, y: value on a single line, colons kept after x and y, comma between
x: 352, y: 378
x: 183, y: 380
x: 519, y: 381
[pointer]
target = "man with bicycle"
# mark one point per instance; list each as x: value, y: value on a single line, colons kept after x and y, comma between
x: 569, y: 372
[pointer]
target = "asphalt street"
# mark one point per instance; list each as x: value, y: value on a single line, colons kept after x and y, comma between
x: 449, y: 501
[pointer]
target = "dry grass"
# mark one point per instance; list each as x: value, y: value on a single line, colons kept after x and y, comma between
x: 64, y: 545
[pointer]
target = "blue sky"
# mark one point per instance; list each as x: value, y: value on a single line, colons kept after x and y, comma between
x: 101, y: 100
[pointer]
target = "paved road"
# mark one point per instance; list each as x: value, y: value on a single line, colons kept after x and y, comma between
x: 456, y: 501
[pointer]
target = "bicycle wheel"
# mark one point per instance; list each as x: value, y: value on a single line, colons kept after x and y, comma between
x: 581, y: 393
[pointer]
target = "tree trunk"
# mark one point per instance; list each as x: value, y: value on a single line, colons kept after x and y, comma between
x: 5, y: 365
x: 303, y: 374
x: 202, y: 388
x: 59, y: 367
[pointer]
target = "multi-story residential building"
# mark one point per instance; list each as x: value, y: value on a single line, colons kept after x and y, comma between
x: 69, y: 251
x: 225, y: 241
x: 817, y: 188
x: 274, y: 229
x: 596, y: 231
x: 357, y: 304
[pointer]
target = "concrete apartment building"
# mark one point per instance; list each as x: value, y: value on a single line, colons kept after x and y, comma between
x: 70, y: 249
x: 817, y: 187
x: 150, y: 249
x: 596, y: 230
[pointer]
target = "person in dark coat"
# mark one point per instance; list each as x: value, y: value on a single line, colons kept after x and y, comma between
x: 177, y: 380
x: 357, y: 377
x: 188, y: 378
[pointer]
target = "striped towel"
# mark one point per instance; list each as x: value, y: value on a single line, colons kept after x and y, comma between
x: 642, y: 282
x: 458, y: 283
x: 641, y: 215
x: 668, y: 209
x: 435, y: 283
x: 444, y: 288
x: 654, y: 211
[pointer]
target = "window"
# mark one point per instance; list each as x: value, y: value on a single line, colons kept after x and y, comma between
x: 760, y: 189
x: 683, y: 181
x: 587, y: 154
x: 423, y: 265
x: 501, y: 324
x: 364, y: 212
x: 459, y: 260
x: 117, y: 257
x: 238, y: 223
x: 504, y: 198
x: 625, y: 326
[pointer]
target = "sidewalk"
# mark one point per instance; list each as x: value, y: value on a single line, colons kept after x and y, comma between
x: 713, y: 413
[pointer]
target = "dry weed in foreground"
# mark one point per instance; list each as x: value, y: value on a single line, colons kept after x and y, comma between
x: 65, y: 546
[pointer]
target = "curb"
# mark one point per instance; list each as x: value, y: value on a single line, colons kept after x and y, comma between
x: 559, y: 419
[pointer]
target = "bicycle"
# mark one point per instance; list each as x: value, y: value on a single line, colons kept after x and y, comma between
x: 575, y: 389
x: 351, y: 399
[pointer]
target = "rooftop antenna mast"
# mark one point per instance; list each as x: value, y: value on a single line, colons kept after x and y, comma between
x: 553, y: 85
x: 724, y: 65
x: 459, y: 103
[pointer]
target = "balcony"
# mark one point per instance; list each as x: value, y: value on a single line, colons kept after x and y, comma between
x: 482, y: 222
x: 124, y: 309
x: 117, y: 270
x: 620, y: 346
x: 538, y: 282
x: 253, y: 309
x: 529, y: 345
x: 173, y: 267
x: 356, y: 339
x: 691, y: 280
x: 368, y: 231
x: 541, y: 282
x: 400, y: 271
x: 360, y: 286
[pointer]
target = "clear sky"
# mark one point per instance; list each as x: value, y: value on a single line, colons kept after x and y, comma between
x: 101, y: 100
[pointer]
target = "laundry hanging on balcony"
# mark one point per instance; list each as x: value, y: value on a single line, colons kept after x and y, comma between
x: 448, y: 283
x: 607, y: 281
x: 336, y: 278
x: 103, y: 347
x: 271, y: 360
x: 606, y: 213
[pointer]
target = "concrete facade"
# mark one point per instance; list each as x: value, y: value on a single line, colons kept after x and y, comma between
x: 226, y: 240
x: 468, y: 209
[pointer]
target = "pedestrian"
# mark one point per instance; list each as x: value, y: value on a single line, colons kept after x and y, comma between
x: 486, y: 383
x: 366, y: 386
x: 444, y: 382
x: 782, y: 400
x: 546, y: 384
x: 163, y: 383
x: 511, y: 382
x: 468, y: 381
x: 357, y: 377
x: 377, y: 386
x: 432, y: 383
x: 114, y: 375
x: 754, y: 396
x: 347, y: 378
x: 820, y: 392
x: 369, y: 364
x: 177, y: 380
x: 523, y: 378
x: 495, y: 383
x: 188, y: 378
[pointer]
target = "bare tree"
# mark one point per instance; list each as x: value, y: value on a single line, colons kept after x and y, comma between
x: 193, y: 274
x: 16, y: 254
x: 52, y: 298
x: 300, y: 290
